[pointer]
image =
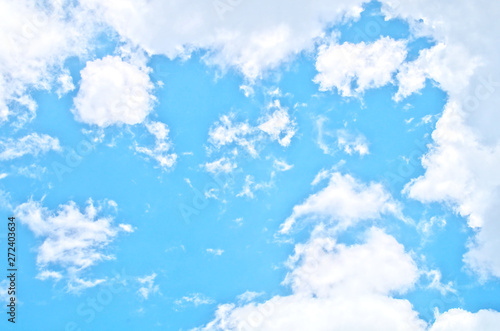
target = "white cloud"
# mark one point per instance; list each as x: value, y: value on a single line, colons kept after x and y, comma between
x: 252, y: 37
x: 332, y: 286
x: 278, y: 125
x: 72, y: 240
x: 461, y: 320
x: 33, y: 171
x: 3, y: 175
x: 250, y: 186
x: 33, y: 144
x: 4, y: 289
x: 47, y: 274
x: 224, y: 132
x: 426, y: 227
x: 221, y: 165
x: 161, y: 151
x: 437, y: 63
x: 126, y: 227
x: 461, y: 172
x: 148, y: 287
x: 195, y: 299
x: 345, y: 201
x: 249, y: 296
x: 461, y: 166
x: 352, y: 144
x: 113, y: 92
x: 66, y: 83
x: 369, y: 65
x: 37, y: 38
x: 331, y: 141
x: 216, y: 251
x: 281, y: 165
x: 275, y: 125
x: 436, y: 284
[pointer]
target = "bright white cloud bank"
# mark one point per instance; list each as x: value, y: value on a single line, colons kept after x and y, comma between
x: 339, y: 287
x: 72, y: 240
x: 462, y: 165
x: 369, y: 65
x: 335, y: 287
x: 113, y: 92
x: 251, y: 37
x: 461, y: 320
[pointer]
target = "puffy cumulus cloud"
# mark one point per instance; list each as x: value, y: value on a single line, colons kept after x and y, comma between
x: 345, y: 201
x: 33, y: 144
x: 148, y: 286
x: 369, y: 65
x: 37, y: 36
x: 323, y: 267
x: 161, y: 152
x: 439, y: 63
x: 461, y: 320
x: 332, y: 286
x: 73, y: 240
x: 112, y: 92
x: 250, y: 36
x: 461, y: 166
x: 275, y: 125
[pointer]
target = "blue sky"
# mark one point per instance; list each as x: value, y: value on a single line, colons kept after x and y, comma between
x: 251, y: 166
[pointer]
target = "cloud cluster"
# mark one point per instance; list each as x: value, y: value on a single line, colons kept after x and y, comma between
x: 72, y: 240
x: 251, y: 37
x: 276, y: 125
x: 332, y: 286
x: 37, y: 37
x: 461, y: 165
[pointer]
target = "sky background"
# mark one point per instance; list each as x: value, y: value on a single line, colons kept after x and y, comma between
x: 235, y: 165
